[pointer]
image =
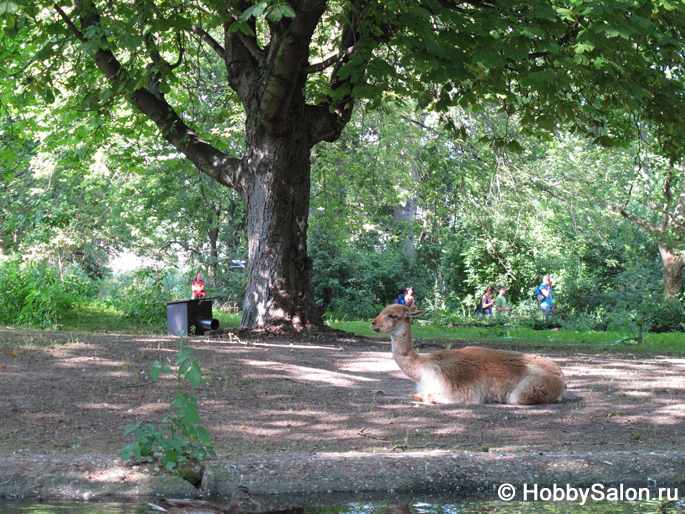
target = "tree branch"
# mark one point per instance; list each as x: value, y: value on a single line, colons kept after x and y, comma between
x: 326, y: 121
x: 325, y: 125
x: 251, y: 44
x: 642, y: 223
x: 74, y: 30
x: 213, y: 44
x: 290, y: 58
x: 208, y: 159
x: 315, y: 68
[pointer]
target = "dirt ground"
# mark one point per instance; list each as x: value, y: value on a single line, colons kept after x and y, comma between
x: 75, y: 392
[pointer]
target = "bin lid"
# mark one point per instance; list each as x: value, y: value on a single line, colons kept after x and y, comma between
x: 196, y: 300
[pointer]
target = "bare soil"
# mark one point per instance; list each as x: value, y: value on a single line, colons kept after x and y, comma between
x: 75, y: 392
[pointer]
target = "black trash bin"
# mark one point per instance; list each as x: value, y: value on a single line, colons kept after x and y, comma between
x: 182, y: 316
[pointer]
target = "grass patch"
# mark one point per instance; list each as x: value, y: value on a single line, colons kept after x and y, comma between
x: 227, y: 319
x: 98, y: 316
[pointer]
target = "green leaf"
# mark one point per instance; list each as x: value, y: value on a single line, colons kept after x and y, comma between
x: 8, y: 7
x: 194, y: 375
x: 155, y: 369
x: 514, y: 146
x: 164, y: 87
x: 254, y: 10
x: 127, y: 450
x: 279, y: 11
x: 131, y: 428
x: 246, y: 29
x: 184, y: 367
x: 203, y: 435
x: 182, y: 400
x: 365, y: 91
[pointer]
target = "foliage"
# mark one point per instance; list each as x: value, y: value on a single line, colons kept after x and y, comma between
x: 636, y: 297
x: 32, y: 294
x: 228, y: 285
x: 362, y: 282
x: 141, y: 295
x: 187, y: 218
x: 186, y: 439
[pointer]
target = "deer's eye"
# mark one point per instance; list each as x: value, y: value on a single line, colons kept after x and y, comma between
x: 392, y: 316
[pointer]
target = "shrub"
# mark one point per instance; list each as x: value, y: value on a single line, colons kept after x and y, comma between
x: 32, y: 294
x: 362, y: 282
x: 141, y: 295
x: 230, y: 286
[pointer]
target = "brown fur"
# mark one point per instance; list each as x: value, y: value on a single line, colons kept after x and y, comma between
x: 472, y: 374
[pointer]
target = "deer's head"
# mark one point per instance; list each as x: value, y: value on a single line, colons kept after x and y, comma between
x: 394, y: 318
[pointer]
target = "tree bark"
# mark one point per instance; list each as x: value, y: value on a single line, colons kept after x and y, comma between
x: 279, y: 291
x: 405, y: 215
x: 673, y: 264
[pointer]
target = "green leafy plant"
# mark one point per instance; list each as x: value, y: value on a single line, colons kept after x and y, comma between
x: 140, y: 295
x: 185, y: 438
x: 32, y: 294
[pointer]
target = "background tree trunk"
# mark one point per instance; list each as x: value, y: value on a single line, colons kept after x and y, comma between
x: 213, y: 234
x: 672, y: 271
x: 405, y: 215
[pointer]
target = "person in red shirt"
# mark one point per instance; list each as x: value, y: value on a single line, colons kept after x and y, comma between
x: 198, y: 287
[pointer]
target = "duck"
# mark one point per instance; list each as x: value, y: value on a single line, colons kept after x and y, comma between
x: 239, y: 494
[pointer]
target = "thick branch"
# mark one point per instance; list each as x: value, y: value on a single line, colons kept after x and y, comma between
x: 325, y: 125
x: 213, y: 44
x: 315, y: 68
x: 251, y: 45
x: 290, y: 59
x: 642, y: 223
x: 208, y: 159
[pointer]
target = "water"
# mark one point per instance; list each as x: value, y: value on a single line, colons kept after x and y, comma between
x: 405, y: 505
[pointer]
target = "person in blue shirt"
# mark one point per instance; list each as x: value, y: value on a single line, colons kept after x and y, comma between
x: 547, y: 305
x: 400, y: 296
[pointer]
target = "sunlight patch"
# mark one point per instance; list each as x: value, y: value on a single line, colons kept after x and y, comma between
x: 312, y: 374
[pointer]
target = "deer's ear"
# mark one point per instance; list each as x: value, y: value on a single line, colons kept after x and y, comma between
x: 415, y: 314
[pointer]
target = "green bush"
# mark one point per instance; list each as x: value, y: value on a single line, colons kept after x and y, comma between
x: 637, y: 294
x: 362, y: 282
x: 32, y: 294
x: 141, y: 295
x: 230, y: 286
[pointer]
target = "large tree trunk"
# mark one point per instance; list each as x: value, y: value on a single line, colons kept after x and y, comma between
x: 672, y: 271
x: 279, y: 291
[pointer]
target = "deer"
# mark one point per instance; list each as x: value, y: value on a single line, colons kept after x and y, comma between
x: 471, y: 374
